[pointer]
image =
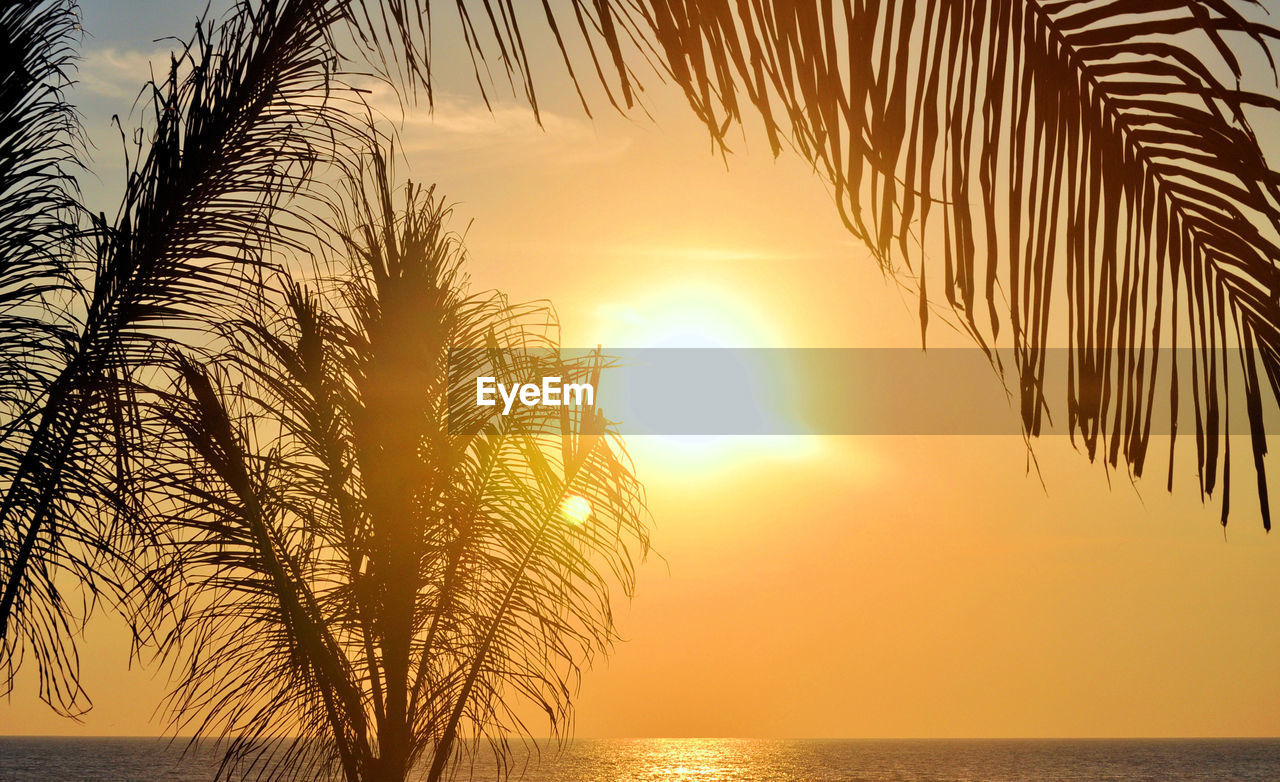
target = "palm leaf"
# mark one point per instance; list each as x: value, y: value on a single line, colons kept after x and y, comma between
x: 1022, y: 158
x: 259, y: 660
x: 611, y: 37
x: 245, y: 114
x: 39, y: 151
x: 1007, y: 160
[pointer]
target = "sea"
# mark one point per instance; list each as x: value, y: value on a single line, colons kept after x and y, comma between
x: 730, y: 760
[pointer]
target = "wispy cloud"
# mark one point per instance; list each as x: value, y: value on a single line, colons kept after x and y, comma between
x: 492, y: 134
x: 464, y: 128
x: 111, y: 72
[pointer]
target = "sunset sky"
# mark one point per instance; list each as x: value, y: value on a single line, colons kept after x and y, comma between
x: 924, y: 586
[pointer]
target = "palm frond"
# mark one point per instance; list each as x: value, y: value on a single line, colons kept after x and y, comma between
x: 1035, y: 157
x: 262, y: 670
x: 40, y: 150
x: 611, y: 38
x: 246, y: 112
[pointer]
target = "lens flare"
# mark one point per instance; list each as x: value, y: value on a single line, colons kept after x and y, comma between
x: 575, y: 509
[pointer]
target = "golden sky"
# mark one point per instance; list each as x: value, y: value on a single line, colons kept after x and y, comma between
x: 814, y: 586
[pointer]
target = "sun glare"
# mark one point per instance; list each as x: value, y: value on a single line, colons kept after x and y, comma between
x: 706, y: 314
x: 712, y: 312
x: 576, y: 510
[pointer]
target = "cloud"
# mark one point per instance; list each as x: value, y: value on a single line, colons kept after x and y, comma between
x: 471, y: 133
x: 111, y: 72
x: 458, y: 132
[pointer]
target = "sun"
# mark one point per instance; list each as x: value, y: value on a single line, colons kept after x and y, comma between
x: 705, y: 312
x: 694, y: 314
x: 576, y: 510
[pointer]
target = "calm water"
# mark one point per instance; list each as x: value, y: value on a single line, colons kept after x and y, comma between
x: 740, y: 760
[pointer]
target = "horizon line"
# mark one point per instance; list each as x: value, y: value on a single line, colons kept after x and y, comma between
x: 553, y: 740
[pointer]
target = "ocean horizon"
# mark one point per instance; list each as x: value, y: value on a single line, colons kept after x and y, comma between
x: 112, y: 759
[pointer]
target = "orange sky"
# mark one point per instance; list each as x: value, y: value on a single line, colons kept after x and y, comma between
x: 822, y: 586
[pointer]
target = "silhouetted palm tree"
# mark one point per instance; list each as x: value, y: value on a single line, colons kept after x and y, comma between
x: 247, y: 113
x: 352, y: 555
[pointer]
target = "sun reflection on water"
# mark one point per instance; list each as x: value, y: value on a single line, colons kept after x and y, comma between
x: 695, y: 760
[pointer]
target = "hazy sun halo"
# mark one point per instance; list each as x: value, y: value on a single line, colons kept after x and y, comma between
x: 575, y: 509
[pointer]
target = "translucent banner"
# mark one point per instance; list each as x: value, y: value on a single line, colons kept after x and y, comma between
x: 860, y: 391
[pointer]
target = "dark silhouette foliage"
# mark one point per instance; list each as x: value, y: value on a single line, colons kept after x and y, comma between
x: 346, y: 563
x: 1029, y: 162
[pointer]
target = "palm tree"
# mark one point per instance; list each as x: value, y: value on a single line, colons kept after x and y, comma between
x: 350, y: 555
